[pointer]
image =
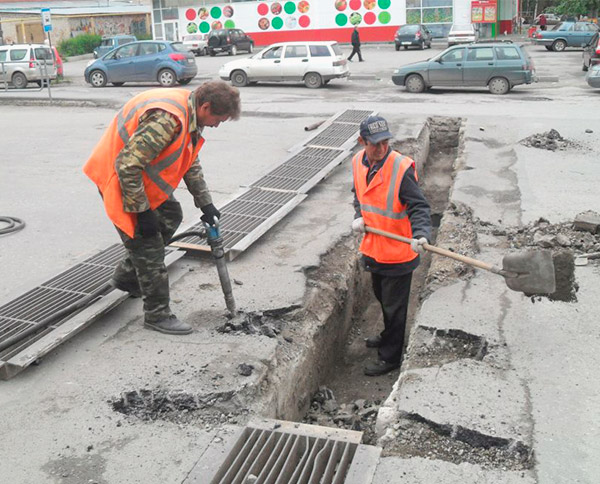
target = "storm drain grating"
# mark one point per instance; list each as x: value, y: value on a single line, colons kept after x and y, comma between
x: 279, y: 452
x: 303, y: 170
x: 242, y: 216
x: 353, y: 116
x: 336, y: 134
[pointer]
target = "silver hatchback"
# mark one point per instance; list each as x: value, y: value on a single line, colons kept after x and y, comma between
x: 24, y: 63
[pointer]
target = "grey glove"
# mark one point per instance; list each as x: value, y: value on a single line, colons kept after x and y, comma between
x: 417, y: 245
x: 358, y: 225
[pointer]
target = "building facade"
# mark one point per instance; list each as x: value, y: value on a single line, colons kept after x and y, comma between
x: 290, y: 20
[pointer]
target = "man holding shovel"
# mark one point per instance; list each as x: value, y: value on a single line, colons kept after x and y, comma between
x: 388, y: 197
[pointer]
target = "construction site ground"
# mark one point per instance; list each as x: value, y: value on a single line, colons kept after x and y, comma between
x: 495, y: 387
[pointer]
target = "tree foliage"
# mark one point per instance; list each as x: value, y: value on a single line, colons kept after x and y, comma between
x: 578, y: 7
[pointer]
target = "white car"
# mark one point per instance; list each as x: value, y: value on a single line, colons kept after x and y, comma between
x: 196, y: 43
x: 462, y: 34
x: 314, y: 63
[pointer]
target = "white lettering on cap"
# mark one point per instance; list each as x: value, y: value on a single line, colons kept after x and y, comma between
x: 377, y: 127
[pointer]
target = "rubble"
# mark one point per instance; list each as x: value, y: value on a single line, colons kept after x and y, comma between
x: 359, y: 415
x: 550, y: 140
x: 587, y: 222
x: 268, y: 323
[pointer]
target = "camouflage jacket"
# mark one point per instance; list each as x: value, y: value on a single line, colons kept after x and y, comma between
x: 156, y: 130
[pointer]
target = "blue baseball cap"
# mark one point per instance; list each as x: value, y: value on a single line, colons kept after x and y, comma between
x: 375, y: 129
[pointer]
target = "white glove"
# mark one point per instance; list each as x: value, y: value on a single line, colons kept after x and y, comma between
x: 417, y: 245
x: 358, y: 225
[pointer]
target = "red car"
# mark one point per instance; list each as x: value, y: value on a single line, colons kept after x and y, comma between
x: 59, y: 63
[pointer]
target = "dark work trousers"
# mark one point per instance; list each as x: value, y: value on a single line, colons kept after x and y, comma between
x: 144, y: 264
x: 392, y: 293
x: 355, y: 50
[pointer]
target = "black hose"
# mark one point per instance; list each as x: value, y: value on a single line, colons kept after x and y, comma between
x: 191, y: 233
x: 14, y: 224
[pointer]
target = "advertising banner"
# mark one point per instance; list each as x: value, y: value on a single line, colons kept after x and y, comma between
x: 483, y: 11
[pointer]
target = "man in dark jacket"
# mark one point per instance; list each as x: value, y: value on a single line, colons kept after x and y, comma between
x: 355, y: 45
x: 387, y: 196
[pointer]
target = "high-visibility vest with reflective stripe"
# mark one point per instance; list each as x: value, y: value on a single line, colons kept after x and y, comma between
x: 163, y: 174
x: 381, y: 208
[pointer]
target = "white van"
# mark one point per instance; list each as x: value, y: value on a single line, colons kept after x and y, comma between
x: 314, y: 63
x: 24, y: 63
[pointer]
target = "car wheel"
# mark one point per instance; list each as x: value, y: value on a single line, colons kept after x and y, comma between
x: 414, y: 83
x: 19, y: 81
x: 429, y: 45
x: 584, y: 68
x: 422, y: 46
x: 239, y: 78
x: 405, y: 47
x: 183, y: 82
x: 548, y: 47
x: 98, y: 79
x: 212, y: 53
x: 251, y: 48
x: 205, y: 51
x: 167, y: 78
x: 313, y: 80
x: 233, y: 50
x: 117, y: 84
x: 499, y: 85
x: 397, y: 48
x: 559, y: 45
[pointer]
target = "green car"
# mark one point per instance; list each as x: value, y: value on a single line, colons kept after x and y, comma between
x: 497, y: 65
x: 566, y: 34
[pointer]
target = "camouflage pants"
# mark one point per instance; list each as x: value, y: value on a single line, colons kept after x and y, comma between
x: 144, y: 264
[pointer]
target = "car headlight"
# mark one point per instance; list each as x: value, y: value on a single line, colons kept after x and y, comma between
x: 90, y: 63
x: 396, y: 71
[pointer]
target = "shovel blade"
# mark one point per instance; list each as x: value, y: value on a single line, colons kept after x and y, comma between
x: 535, y: 271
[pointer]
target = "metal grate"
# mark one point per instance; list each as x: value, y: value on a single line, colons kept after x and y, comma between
x: 303, y: 167
x: 243, y: 215
x: 336, y: 134
x: 278, y: 452
x: 54, y: 295
x: 353, y: 116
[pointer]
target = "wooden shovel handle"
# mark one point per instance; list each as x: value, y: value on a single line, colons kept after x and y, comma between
x: 438, y: 250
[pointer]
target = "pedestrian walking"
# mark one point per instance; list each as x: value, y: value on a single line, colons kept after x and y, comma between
x: 148, y: 148
x: 355, y: 40
x: 543, y: 22
x: 388, y: 197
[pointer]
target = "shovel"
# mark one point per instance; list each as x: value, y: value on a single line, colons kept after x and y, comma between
x: 530, y: 272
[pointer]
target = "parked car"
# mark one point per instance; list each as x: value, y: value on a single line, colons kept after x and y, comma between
x: 566, y: 34
x: 21, y: 64
x: 314, y: 63
x: 462, y: 34
x: 230, y: 41
x: 499, y: 66
x: 164, y: 62
x: 591, y: 52
x: 111, y: 42
x: 196, y: 43
x: 413, y: 34
x: 593, y: 76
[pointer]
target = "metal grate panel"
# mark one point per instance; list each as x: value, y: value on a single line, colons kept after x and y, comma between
x: 298, y: 170
x: 353, y: 116
x: 337, y: 134
x: 278, y: 452
x: 242, y: 216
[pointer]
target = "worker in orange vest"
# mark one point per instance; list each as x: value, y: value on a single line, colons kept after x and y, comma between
x: 148, y: 148
x: 388, y: 197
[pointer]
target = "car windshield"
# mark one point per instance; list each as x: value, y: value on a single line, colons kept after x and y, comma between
x: 178, y: 47
x: 562, y: 26
x: 336, y: 49
x: 408, y: 29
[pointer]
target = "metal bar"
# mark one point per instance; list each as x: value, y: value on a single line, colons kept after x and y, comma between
x: 289, y: 445
x: 278, y: 451
x: 242, y: 473
x: 240, y: 457
x: 334, y: 458
x: 320, y: 463
x: 342, y: 468
x: 265, y: 453
x: 301, y: 462
x: 292, y: 459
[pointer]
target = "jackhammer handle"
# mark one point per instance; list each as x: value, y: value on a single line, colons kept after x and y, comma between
x: 437, y: 250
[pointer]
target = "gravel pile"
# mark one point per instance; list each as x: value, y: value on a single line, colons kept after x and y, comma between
x: 550, y: 140
x: 359, y: 415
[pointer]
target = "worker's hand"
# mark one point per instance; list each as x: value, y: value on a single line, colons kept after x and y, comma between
x: 358, y: 225
x: 147, y: 223
x: 210, y: 212
x: 417, y: 245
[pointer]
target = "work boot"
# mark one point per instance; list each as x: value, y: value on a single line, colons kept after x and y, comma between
x: 132, y: 287
x: 380, y: 367
x: 170, y: 325
x: 373, y: 341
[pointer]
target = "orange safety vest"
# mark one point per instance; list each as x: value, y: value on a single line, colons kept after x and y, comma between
x: 163, y: 174
x: 381, y: 208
